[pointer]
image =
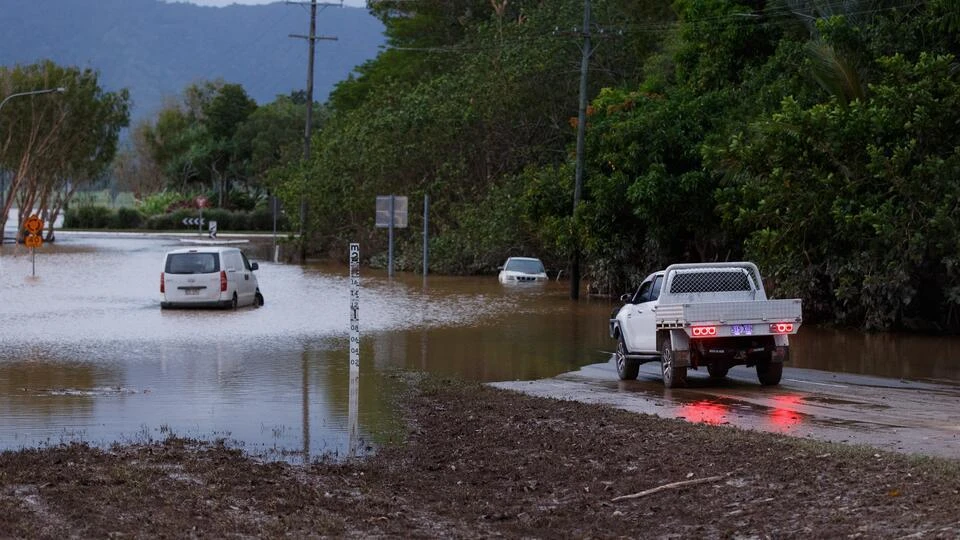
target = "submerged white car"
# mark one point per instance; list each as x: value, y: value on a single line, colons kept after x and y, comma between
x: 522, y: 269
x: 208, y: 277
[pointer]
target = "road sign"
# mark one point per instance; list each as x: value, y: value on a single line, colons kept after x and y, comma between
x: 193, y: 221
x: 33, y: 224
x: 213, y: 229
x: 33, y: 241
x: 399, y: 211
x: 201, y: 202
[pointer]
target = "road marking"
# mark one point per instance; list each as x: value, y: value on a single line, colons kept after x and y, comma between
x: 818, y: 383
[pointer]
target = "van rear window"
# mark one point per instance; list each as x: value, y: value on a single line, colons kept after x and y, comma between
x: 192, y: 263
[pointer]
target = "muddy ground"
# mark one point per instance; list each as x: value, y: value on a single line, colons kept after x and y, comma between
x: 482, y: 462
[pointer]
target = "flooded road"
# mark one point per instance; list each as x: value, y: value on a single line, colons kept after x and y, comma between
x: 86, y: 354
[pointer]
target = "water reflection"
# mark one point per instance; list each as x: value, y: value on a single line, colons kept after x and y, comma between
x: 86, y: 353
x: 784, y: 415
x: 705, y: 412
x: 904, y: 356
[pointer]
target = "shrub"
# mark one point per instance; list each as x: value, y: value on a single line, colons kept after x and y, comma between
x: 240, y: 221
x: 261, y: 219
x: 159, y: 202
x: 224, y: 218
x: 127, y: 218
x: 88, y: 217
x: 241, y: 200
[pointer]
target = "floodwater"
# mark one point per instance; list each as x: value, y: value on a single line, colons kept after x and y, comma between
x: 86, y: 354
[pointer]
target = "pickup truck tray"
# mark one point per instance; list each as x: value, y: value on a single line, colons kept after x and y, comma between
x: 764, y: 311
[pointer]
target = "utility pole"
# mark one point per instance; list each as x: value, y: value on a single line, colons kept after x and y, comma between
x: 587, y: 35
x: 311, y: 38
x: 581, y: 133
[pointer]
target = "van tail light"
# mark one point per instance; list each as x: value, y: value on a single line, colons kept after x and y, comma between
x: 703, y: 331
x: 223, y: 281
x: 161, y: 283
x: 781, y: 328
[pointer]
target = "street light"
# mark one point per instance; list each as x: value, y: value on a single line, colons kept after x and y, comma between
x: 3, y: 179
x: 59, y: 90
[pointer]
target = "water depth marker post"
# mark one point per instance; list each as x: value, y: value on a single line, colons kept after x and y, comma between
x: 352, y: 427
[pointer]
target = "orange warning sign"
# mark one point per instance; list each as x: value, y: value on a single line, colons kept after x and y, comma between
x: 33, y: 241
x: 33, y: 224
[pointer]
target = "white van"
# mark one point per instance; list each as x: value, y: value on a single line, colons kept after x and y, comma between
x: 208, y: 277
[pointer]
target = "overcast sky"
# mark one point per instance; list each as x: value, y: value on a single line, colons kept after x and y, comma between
x: 221, y: 3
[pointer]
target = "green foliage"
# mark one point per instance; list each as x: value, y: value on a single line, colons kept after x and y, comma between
x: 203, y: 140
x: 852, y: 207
x: 488, y: 233
x: 487, y: 93
x: 158, y: 203
x: 102, y: 217
x: 128, y: 218
x: 60, y: 132
x: 261, y: 219
x: 818, y: 138
x: 88, y: 217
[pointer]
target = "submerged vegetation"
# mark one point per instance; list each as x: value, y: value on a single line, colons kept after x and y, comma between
x: 816, y: 137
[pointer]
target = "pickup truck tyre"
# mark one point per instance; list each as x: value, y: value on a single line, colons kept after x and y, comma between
x: 717, y: 371
x: 769, y: 373
x: 627, y: 369
x: 673, y: 376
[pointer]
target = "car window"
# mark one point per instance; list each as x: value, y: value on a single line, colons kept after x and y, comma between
x: 655, y: 291
x: 643, y: 293
x: 246, y: 262
x: 192, y: 263
x: 526, y: 266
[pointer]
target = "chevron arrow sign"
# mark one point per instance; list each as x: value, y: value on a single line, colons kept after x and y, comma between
x: 193, y: 221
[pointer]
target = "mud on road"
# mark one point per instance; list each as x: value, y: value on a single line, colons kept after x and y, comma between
x: 481, y: 462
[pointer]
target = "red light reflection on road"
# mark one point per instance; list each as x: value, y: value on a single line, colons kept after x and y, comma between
x: 784, y: 416
x: 704, y: 412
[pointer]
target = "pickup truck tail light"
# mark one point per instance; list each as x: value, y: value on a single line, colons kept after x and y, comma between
x: 703, y: 331
x: 223, y: 281
x: 781, y: 328
x: 161, y: 283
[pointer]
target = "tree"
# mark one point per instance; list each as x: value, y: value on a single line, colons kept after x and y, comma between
x: 223, y: 115
x: 135, y: 168
x: 55, y: 146
x: 851, y: 206
x: 194, y: 138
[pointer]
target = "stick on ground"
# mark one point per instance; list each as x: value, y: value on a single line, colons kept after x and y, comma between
x: 671, y: 485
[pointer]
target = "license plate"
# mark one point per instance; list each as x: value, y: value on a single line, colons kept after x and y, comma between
x: 741, y: 330
x: 191, y: 292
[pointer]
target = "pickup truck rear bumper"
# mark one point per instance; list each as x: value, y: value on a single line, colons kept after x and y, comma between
x: 734, y: 351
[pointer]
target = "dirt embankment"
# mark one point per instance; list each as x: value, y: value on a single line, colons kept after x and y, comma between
x: 481, y: 462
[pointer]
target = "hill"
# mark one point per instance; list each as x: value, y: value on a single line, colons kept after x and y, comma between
x: 156, y: 48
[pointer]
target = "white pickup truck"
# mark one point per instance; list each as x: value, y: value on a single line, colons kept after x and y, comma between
x: 708, y: 314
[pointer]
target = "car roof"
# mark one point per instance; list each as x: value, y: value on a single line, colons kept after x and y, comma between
x: 523, y: 259
x: 205, y: 249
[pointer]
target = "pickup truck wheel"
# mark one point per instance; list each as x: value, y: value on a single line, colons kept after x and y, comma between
x: 769, y: 373
x: 717, y: 371
x: 673, y: 376
x: 627, y: 369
